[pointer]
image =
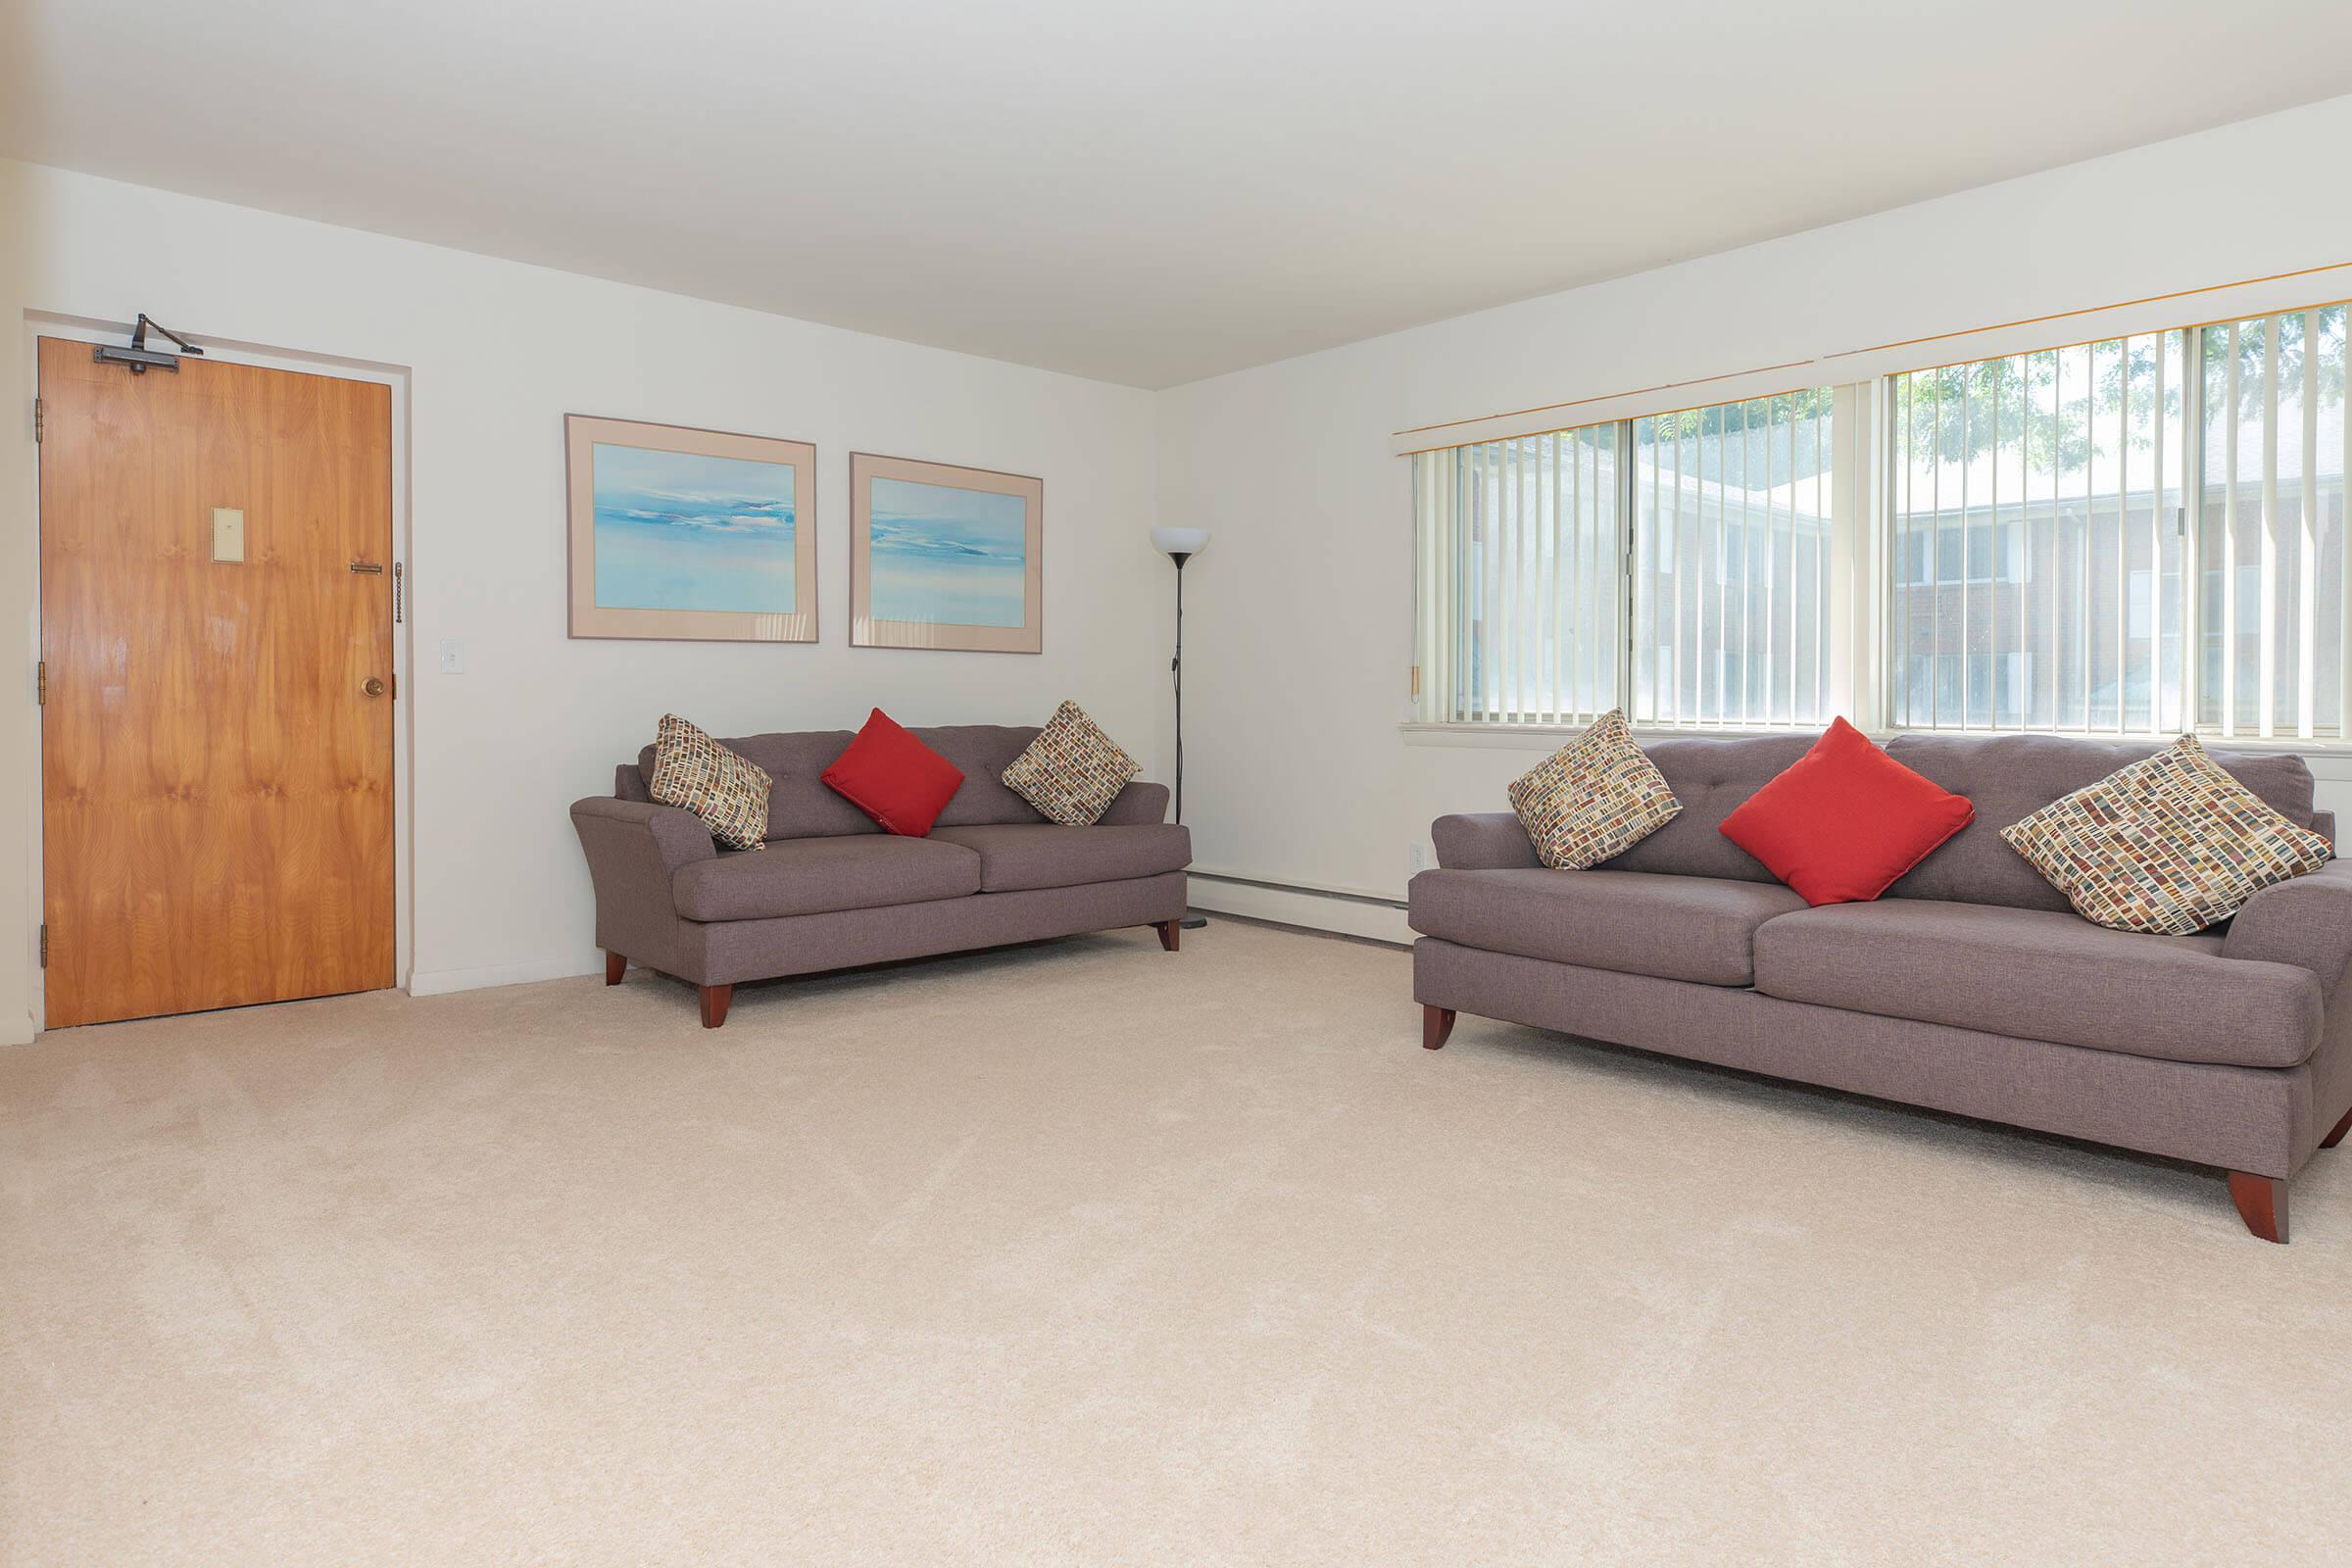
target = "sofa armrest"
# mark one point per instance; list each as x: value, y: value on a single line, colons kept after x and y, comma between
x: 2306, y: 920
x: 634, y: 849
x: 1137, y: 803
x: 678, y: 837
x: 1481, y: 840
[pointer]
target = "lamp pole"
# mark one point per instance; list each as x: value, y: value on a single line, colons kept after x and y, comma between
x: 1180, y: 545
x: 1176, y: 669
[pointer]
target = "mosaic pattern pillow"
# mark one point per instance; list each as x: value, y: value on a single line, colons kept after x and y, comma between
x: 1593, y: 799
x: 1072, y: 771
x: 729, y: 792
x: 2168, y: 845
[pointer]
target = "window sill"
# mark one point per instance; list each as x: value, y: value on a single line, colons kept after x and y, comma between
x: 1548, y: 737
x: 2330, y: 759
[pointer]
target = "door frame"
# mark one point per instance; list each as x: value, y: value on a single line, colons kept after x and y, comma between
x: 40, y: 325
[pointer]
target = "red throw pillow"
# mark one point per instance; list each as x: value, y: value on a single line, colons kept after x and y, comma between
x: 894, y: 778
x: 1846, y: 820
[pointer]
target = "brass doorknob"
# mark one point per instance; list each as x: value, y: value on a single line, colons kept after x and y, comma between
x: 373, y: 686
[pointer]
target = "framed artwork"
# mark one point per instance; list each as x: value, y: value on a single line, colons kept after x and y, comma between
x: 690, y: 534
x: 942, y: 557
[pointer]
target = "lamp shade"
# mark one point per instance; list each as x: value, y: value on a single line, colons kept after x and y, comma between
x: 1180, y: 541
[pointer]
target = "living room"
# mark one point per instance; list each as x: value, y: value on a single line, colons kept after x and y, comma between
x: 679, y: 1186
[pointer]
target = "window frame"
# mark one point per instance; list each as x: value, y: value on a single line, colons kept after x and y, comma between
x: 2194, y: 525
x: 1851, y: 418
x: 1862, y: 581
x: 1892, y: 657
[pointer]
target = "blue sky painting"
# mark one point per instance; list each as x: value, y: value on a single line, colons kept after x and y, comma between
x: 946, y: 556
x: 675, y: 530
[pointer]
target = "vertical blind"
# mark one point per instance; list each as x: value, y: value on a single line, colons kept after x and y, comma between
x: 2036, y: 548
x: 1519, y: 550
x: 2042, y: 534
x: 1732, y: 559
x: 2270, y: 554
x: 2134, y: 536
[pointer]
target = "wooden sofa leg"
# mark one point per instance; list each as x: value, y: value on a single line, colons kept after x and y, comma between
x: 1170, y: 933
x: 1436, y: 1024
x: 714, y: 1004
x: 2261, y: 1203
x: 615, y: 967
x: 2337, y: 1137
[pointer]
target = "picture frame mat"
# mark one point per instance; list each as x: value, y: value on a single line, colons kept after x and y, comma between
x: 583, y: 434
x: 867, y: 631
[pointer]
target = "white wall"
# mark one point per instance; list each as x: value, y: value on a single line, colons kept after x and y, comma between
x: 1298, y: 615
x: 496, y: 352
x: 1298, y: 635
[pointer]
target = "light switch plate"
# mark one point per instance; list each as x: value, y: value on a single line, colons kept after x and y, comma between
x: 228, y: 533
x: 453, y: 657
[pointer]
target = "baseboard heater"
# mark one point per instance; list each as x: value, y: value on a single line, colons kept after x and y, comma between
x: 1376, y: 900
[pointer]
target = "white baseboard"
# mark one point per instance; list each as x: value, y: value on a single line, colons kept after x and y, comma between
x: 441, y: 982
x: 1319, y: 912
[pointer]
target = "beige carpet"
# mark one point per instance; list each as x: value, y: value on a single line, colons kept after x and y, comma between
x: 1086, y: 1254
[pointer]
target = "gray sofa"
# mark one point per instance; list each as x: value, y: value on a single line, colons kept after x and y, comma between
x: 1971, y: 987
x: 830, y: 890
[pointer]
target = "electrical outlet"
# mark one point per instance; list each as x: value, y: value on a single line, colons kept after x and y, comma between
x: 1416, y: 856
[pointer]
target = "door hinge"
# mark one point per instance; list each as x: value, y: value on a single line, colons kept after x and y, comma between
x: 40, y: 684
x: 396, y: 688
x: 44, y: 945
x: 37, y: 422
x: 1416, y: 680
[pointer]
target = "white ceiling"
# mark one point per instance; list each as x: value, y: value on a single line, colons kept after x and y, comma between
x: 1143, y: 192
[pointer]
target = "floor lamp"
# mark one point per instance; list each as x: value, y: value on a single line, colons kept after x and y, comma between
x: 1180, y: 545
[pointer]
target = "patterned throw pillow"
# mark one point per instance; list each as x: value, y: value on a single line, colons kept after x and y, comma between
x: 1593, y: 799
x: 1072, y: 771
x: 2169, y: 845
x: 729, y: 792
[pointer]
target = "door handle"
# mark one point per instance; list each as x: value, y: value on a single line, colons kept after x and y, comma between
x: 373, y: 686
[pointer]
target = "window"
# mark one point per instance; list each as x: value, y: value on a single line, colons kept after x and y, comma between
x: 2134, y: 536
x: 2271, y: 565
x: 1540, y: 606
x: 1521, y: 596
x: 2042, y: 535
x: 1732, y: 559
x: 2036, y: 545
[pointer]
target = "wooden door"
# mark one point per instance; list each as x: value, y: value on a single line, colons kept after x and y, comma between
x: 216, y: 772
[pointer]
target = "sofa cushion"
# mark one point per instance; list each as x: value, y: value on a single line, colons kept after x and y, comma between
x: 1846, y: 820
x: 2169, y: 844
x: 893, y: 777
x: 2009, y: 777
x: 799, y: 805
x: 1710, y: 776
x: 1594, y: 798
x: 2043, y: 975
x: 1072, y: 771
x: 726, y: 790
x: 984, y: 751
x: 814, y: 876
x: 1014, y: 855
x: 1672, y: 927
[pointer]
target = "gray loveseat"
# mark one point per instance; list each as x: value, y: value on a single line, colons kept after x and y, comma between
x: 1971, y: 987
x: 831, y: 890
